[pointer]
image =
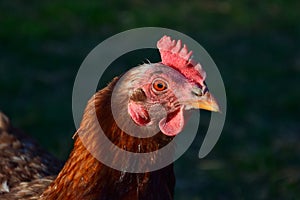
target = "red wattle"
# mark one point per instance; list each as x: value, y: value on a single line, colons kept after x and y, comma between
x: 173, y: 123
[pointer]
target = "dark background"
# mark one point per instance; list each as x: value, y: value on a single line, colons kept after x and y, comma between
x: 255, y: 44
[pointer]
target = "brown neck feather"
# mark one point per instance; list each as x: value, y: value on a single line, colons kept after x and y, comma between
x: 84, y: 177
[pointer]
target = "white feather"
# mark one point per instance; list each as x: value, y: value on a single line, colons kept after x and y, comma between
x: 4, y: 187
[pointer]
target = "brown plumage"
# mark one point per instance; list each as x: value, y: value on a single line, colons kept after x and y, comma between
x: 84, y: 173
x: 24, y: 166
x: 153, y: 97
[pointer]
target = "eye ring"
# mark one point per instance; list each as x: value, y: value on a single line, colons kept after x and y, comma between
x: 159, y: 85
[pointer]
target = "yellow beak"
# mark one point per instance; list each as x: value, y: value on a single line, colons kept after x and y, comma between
x: 206, y: 102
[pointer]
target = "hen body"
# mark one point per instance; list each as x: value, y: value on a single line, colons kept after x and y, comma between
x: 98, y: 181
x: 83, y: 176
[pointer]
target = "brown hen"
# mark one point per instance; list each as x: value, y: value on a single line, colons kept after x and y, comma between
x: 150, y: 98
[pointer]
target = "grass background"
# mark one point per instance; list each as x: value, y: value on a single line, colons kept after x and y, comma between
x: 255, y: 44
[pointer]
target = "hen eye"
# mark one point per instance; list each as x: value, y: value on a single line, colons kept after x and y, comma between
x: 159, y: 85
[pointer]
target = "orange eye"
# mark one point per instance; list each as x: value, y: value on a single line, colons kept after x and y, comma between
x: 160, y: 85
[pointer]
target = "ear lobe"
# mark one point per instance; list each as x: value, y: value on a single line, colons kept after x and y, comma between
x: 138, y: 95
x: 138, y: 113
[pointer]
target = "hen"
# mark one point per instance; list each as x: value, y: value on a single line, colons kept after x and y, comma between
x: 152, y: 97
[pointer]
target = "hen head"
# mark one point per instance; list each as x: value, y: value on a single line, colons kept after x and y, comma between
x: 160, y: 93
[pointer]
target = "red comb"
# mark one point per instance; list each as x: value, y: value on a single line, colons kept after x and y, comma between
x: 174, y: 55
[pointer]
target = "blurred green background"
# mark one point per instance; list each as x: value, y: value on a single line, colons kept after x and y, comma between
x: 255, y: 44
